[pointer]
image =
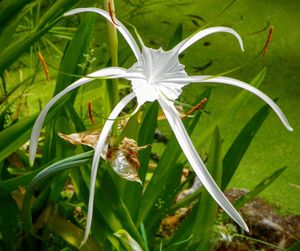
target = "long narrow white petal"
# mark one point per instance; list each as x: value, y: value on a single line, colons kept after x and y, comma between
x: 197, y: 164
x: 123, y: 30
x: 111, y: 72
x: 98, y: 150
x: 203, y: 33
x: 238, y: 83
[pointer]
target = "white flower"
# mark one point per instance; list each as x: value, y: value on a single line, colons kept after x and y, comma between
x: 157, y: 75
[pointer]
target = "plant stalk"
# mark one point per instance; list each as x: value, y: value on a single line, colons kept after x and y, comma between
x: 112, y: 88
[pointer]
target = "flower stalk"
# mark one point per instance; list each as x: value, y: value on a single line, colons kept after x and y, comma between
x: 111, y: 88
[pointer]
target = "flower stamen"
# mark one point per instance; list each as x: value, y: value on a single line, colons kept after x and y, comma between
x: 44, y: 64
x: 112, y: 13
x: 266, y: 46
x: 90, y: 110
x: 196, y: 107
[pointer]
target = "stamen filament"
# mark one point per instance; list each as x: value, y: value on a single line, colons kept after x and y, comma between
x: 196, y: 107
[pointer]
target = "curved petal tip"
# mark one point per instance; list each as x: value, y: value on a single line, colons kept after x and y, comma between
x: 288, y: 126
x: 31, y: 160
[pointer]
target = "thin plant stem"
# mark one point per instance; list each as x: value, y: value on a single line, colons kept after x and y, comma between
x: 258, y: 241
x: 112, y: 88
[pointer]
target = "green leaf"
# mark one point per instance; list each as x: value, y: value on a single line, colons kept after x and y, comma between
x: 74, y: 53
x: 130, y: 130
x: 184, y: 234
x: 62, y: 149
x: 109, y: 204
x: 258, y: 188
x: 12, y: 21
x: 104, y: 235
x: 12, y: 52
x: 9, y: 9
x: 295, y: 246
x: 240, y: 145
x: 15, y: 136
x: 207, y: 208
x: 69, y: 232
x: 73, y: 56
x: 132, y: 244
x: 177, y: 37
x: 230, y: 109
x: 10, y: 222
x: 58, y: 167
x: 146, y: 136
x: 14, y: 183
x: 46, y: 173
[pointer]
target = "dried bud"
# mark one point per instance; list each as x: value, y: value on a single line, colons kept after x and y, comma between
x: 124, y: 159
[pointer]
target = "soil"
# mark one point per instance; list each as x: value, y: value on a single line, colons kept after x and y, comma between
x: 269, y: 229
x: 266, y: 224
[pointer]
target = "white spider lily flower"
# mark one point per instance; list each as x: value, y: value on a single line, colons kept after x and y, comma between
x: 157, y: 75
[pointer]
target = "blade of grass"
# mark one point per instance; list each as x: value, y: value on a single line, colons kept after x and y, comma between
x: 144, y: 235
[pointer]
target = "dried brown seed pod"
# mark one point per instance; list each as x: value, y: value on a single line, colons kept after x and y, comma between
x: 124, y: 159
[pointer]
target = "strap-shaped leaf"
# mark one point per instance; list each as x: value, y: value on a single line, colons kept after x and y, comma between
x: 207, y: 208
x: 10, y: 224
x: 46, y: 174
x: 15, y: 136
x: 230, y: 109
x: 259, y: 188
x: 240, y: 145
